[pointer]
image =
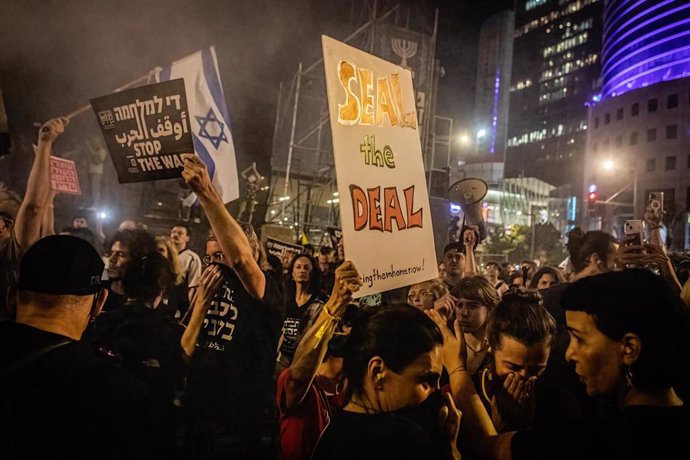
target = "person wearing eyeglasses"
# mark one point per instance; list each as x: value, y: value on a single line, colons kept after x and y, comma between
x: 231, y: 340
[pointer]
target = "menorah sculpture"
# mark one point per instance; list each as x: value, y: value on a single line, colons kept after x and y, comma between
x: 405, y: 49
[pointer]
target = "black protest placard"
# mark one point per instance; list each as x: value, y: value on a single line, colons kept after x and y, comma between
x: 336, y: 235
x: 146, y: 129
x: 282, y: 250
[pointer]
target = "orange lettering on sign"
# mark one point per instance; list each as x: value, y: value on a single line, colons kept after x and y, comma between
x: 364, y: 108
x: 369, y: 212
x: 348, y: 113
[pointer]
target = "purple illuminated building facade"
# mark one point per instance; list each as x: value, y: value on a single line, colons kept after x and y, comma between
x: 644, y: 43
x: 640, y: 119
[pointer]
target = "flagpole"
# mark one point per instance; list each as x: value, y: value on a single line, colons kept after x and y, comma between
x: 146, y: 77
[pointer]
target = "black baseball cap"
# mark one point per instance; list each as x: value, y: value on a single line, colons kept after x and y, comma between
x: 61, y: 265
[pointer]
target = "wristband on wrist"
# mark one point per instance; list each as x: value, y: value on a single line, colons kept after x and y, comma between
x: 331, y: 316
x: 327, y: 329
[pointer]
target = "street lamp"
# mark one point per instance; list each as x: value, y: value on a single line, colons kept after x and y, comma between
x: 464, y: 139
x: 609, y: 165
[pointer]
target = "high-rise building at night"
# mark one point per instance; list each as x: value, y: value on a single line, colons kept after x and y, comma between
x: 493, y: 85
x: 639, y: 136
x: 556, y: 67
x: 483, y: 143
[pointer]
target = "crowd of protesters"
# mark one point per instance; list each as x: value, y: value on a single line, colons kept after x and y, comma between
x: 152, y: 351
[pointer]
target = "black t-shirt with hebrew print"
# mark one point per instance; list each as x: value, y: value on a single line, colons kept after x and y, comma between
x: 298, y: 318
x: 231, y: 374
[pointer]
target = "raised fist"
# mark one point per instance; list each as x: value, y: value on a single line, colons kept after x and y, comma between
x: 52, y: 128
x: 195, y: 173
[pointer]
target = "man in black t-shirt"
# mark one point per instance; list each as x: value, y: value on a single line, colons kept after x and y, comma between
x: 233, y: 343
x: 59, y: 399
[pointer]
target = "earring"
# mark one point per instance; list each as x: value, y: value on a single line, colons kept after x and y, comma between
x: 629, y: 378
x: 379, y: 381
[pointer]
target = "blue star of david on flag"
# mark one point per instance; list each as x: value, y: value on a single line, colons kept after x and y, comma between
x: 206, y: 106
x: 211, y: 118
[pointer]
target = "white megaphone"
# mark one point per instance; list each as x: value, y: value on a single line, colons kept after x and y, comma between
x: 468, y: 193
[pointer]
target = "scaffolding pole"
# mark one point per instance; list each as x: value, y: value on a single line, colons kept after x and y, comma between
x: 292, y: 137
x: 427, y: 115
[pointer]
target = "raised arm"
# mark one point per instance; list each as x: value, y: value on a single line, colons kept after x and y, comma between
x: 648, y: 254
x: 193, y: 277
x: 209, y: 283
x: 31, y: 212
x: 48, y: 221
x: 476, y: 428
x: 653, y: 220
x: 231, y: 238
x: 100, y: 234
x: 469, y: 237
x: 312, y: 348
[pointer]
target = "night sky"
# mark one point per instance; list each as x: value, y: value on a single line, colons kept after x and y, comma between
x: 56, y: 55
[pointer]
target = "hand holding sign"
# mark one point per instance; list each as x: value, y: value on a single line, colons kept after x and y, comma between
x: 195, y: 174
x: 347, y: 282
x: 52, y: 128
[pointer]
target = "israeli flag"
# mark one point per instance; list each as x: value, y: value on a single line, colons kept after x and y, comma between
x: 209, y: 117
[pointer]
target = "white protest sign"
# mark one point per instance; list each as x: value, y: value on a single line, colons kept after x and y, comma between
x: 384, y: 205
x: 63, y: 176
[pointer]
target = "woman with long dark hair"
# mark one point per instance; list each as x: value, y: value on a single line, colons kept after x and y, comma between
x: 394, y: 409
x: 302, y: 305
